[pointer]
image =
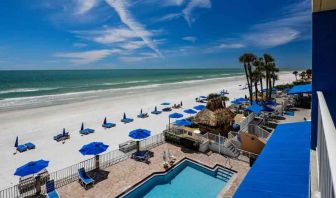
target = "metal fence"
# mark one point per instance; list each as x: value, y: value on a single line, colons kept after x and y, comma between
x: 326, y: 148
x: 70, y: 174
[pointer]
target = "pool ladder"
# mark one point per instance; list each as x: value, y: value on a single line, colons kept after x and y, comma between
x: 223, y: 174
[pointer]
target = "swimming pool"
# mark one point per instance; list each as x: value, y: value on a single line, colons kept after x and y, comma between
x: 186, y: 179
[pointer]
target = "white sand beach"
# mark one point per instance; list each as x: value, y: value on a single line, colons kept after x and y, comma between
x: 39, y: 124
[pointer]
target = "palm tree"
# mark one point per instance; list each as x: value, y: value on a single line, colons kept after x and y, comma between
x: 247, y: 59
x: 309, y: 73
x: 260, y: 68
x: 255, y: 80
x: 295, y: 74
x: 274, y: 76
x: 303, y: 75
x: 269, y: 65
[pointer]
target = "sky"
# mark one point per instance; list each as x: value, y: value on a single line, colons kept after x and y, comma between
x: 103, y: 34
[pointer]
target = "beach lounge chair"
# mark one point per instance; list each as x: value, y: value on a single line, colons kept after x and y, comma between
x: 62, y: 136
x: 51, y: 191
x: 30, y: 145
x: 86, y: 131
x: 143, y: 115
x: 126, y: 120
x: 142, y: 156
x: 156, y: 112
x: 21, y: 148
x: 108, y: 124
x: 84, y: 179
x: 167, y: 109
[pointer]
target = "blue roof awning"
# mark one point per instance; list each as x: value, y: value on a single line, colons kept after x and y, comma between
x: 282, y: 168
x: 255, y: 108
x: 299, y: 89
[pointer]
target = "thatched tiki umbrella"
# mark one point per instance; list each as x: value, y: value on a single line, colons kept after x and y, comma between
x: 215, y: 118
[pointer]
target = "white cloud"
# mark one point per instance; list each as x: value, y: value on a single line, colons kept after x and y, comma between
x: 173, y: 2
x: 141, y: 57
x: 191, y: 6
x: 111, y: 35
x: 87, y: 57
x: 127, y: 18
x: 132, y: 45
x: 80, y: 45
x: 231, y: 46
x: 168, y: 17
x: 272, y: 38
x: 190, y: 39
x: 85, y: 5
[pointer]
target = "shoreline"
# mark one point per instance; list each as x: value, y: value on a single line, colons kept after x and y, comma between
x: 39, y: 124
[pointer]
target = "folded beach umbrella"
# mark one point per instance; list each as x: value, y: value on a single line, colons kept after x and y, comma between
x: 124, y: 117
x: 64, y: 132
x: 155, y: 109
x: 181, y: 103
x: 175, y: 115
x: 31, y: 168
x: 139, y: 134
x: 82, y: 127
x: 190, y: 111
x: 105, y: 121
x: 183, y: 122
x: 16, y: 144
x: 199, y: 107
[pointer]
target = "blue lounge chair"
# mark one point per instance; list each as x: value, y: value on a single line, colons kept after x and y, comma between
x: 84, y: 179
x: 126, y: 120
x: 141, y: 156
x: 108, y: 124
x: 21, y: 148
x: 86, y: 131
x: 30, y: 145
x: 156, y: 112
x: 51, y: 191
x: 167, y: 109
x: 142, y: 115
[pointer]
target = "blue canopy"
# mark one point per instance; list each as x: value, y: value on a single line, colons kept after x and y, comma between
x: 190, y: 111
x: 282, y: 168
x: 139, y: 134
x: 175, y: 115
x: 94, y: 148
x: 199, y: 107
x: 165, y: 103
x: 255, y: 108
x: 270, y: 102
x: 16, y: 144
x: 31, y: 168
x: 183, y: 122
x: 300, y: 89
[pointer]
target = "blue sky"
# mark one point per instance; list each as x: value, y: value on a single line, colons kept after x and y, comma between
x: 81, y: 34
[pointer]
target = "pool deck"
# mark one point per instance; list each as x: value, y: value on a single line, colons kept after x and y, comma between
x: 128, y: 173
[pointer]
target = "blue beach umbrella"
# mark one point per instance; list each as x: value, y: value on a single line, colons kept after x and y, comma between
x: 183, y: 122
x: 139, y: 134
x: 255, y: 108
x: 190, y: 111
x: 16, y: 144
x: 31, y: 168
x: 175, y: 115
x: 93, y: 148
x: 199, y: 107
x: 165, y: 103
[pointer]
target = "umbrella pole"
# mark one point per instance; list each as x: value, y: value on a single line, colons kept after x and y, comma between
x: 138, y: 145
x: 97, y: 161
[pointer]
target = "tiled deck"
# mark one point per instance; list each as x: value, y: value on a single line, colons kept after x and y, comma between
x: 127, y: 173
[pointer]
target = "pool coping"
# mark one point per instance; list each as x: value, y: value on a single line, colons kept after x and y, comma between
x: 216, y: 166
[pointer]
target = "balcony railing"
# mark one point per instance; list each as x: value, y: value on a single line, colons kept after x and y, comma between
x: 326, y: 150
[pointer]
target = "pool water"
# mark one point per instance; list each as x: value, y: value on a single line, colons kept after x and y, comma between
x: 187, y: 179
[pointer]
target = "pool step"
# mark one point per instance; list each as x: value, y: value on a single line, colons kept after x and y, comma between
x: 223, y: 175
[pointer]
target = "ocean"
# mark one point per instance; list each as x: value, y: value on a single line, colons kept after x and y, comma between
x: 20, y: 84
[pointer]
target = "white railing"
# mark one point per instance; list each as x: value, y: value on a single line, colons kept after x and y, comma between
x: 244, y: 124
x: 326, y: 150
